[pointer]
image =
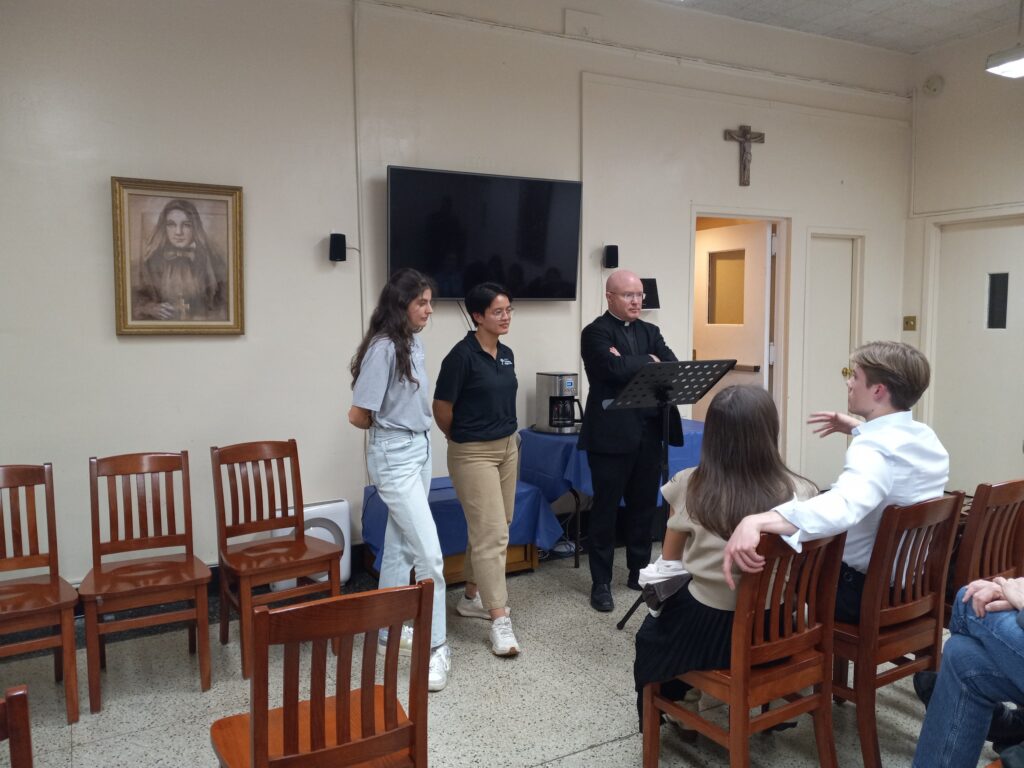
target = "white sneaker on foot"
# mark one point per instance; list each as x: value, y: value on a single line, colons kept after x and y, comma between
x: 404, y: 645
x: 440, y: 665
x: 474, y: 608
x: 660, y: 570
x: 503, y: 640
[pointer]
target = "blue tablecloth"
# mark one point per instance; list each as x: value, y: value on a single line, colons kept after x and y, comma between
x: 554, y: 464
x: 533, y: 522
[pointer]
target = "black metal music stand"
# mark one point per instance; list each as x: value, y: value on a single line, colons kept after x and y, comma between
x: 660, y: 385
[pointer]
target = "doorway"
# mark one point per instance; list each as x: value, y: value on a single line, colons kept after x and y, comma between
x: 733, y: 302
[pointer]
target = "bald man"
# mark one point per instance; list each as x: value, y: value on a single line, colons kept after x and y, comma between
x: 623, y: 446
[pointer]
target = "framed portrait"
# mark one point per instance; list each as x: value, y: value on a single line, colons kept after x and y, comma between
x: 177, y: 257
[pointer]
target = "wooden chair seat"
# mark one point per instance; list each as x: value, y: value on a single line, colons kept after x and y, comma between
x: 271, y: 555
x: 28, y: 544
x: 19, y: 597
x: 781, y: 646
x: 128, y: 577
x: 257, y: 489
x: 901, y: 620
x: 231, y: 736
x: 148, y: 509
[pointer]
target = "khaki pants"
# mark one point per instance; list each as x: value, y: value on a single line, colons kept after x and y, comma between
x: 484, y: 477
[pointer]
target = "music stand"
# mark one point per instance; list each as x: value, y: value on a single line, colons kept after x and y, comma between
x: 662, y: 385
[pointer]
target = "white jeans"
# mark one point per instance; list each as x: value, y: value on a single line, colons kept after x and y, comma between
x: 399, y: 464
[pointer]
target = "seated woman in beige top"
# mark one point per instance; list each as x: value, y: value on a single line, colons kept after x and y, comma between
x: 740, y: 473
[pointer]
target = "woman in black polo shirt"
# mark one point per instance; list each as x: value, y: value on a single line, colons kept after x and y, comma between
x: 475, y: 407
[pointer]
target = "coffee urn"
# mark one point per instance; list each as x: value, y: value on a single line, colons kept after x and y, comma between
x: 558, y: 403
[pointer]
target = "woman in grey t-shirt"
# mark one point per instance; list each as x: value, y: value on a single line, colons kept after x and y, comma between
x: 391, y: 399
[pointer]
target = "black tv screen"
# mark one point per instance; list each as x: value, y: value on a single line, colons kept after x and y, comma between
x: 467, y: 228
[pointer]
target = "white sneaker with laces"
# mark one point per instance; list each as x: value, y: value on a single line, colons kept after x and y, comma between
x: 660, y: 570
x: 440, y: 666
x: 404, y: 645
x: 474, y: 608
x: 503, y: 639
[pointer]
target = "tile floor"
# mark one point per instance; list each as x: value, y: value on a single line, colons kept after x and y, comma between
x: 567, y: 700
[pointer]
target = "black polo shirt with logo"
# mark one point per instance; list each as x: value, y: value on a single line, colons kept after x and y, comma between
x: 482, y: 390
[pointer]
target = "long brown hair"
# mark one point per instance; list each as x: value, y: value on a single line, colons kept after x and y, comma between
x: 390, y: 320
x: 740, y: 471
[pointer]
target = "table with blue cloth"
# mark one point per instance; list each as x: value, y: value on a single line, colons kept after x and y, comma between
x: 554, y: 464
x: 533, y: 525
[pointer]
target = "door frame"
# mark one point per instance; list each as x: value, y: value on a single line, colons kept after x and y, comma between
x: 930, y: 303
x: 780, y: 270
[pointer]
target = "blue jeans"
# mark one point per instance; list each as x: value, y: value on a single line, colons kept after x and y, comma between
x: 982, y: 666
x: 399, y: 464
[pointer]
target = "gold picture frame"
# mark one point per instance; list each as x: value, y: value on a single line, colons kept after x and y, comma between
x: 177, y: 257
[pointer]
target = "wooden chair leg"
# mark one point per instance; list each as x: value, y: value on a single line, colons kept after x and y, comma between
x: 245, y: 624
x: 225, y: 607
x: 652, y: 728
x: 202, y: 629
x: 92, y: 654
x: 823, y: 731
x: 739, y: 736
x: 864, y: 685
x: 68, y: 662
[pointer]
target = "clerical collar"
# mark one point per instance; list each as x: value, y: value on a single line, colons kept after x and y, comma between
x: 625, y: 323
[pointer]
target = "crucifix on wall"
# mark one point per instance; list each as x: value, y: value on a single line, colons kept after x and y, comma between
x: 745, y: 137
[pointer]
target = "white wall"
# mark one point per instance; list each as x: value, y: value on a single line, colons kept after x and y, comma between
x: 304, y: 103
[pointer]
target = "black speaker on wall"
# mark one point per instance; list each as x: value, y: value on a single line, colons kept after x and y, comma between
x: 611, y: 257
x: 337, y: 247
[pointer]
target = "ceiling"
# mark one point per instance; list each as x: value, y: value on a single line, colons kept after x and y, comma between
x: 909, y: 26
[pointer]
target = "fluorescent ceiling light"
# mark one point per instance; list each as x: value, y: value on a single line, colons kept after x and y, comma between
x: 1008, y: 63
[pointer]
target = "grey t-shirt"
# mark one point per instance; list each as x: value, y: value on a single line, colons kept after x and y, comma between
x: 395, y: 402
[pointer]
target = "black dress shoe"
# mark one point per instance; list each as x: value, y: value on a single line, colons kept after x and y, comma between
x: 924, y: 684
x: 633, y: 582
x: 601, y: 598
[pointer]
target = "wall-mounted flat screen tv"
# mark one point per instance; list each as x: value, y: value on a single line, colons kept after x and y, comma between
x: 467, y: 228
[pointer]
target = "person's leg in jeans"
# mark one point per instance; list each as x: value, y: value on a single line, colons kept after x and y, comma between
x: 400, y: 468
x: 982, y: 666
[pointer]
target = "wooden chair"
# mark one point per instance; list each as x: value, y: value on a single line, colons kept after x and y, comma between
x: 31, y: 602
x: 901, y: 609
x: 264, y: 494
x: 366, y: 726
x: 142, y: 519
x: 781, y: 645
x: 993, y: 539
x: 14, y: 726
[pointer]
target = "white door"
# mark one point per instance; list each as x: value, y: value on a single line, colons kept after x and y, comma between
x: 828, y: 340
x: 724, y: 255
x: 977, y: 370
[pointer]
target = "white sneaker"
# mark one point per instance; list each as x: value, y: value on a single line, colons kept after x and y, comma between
x: 404, y: 645
x: 474, y: 609
x: 440, y: 665
x: 503, y: 640
x: 660, y: 570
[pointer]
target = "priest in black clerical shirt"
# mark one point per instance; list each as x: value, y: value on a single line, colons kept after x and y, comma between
x: 623, y: 446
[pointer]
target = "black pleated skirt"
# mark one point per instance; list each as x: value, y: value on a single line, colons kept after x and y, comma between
x: 687, y: 636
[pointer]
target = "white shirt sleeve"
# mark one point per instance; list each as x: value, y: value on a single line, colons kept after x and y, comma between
x: 865, y: 482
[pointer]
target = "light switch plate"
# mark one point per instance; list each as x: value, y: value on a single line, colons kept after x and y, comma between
x: 910, y: 322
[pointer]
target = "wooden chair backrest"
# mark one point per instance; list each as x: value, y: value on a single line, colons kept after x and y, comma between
x: 22, y: 546
x: 331, y: 741
x: 906, y: 575
x: 264, y: 488
x: 788, y: 607
x: 993, y: 540
x: 137, y: 507
x: 14, y: 725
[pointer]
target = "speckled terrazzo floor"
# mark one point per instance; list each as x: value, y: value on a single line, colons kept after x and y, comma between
x: 567, y: 700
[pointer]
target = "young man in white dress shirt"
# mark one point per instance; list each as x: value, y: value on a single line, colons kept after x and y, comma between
x: 892, y: 459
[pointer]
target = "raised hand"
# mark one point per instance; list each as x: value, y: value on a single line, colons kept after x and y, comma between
x: 832, y: 422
